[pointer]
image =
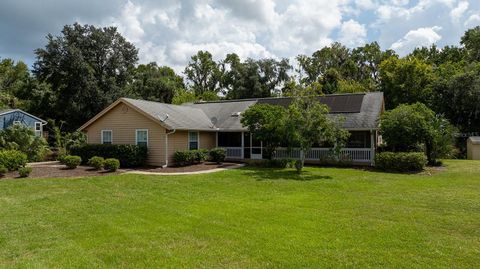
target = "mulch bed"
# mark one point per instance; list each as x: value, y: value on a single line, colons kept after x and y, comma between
x: 57, y: 170
x: 192, y: 168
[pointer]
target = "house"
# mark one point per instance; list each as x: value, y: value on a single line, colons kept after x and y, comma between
x: 10, y: 117
x: 166, y: 128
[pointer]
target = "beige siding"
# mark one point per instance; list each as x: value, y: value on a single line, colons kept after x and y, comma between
x: 208, y: 140
x: 123, y: 121
x: 176, y: 142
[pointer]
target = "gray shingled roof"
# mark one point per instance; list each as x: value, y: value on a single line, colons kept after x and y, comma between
x: 225, y: 115
x: 369, y: 115
x: 363, y: 111
x: 179, y: 117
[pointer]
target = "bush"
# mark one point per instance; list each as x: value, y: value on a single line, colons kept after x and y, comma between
x: 189, y: 157
x: 274, y: 163
x: 3, y: 170
x: 218, y: 155
x: 23, y: 138
x: 24, y: 171
x: 128, y: 155
x: 111, y: 164
x: 72, y: 161
x: 96, y: 162
x: 400, y: 161
x: 12, y: 159
x: 61, y: 158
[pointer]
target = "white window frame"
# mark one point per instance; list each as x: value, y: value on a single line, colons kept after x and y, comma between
x: 189, y: 139
x: 40, y: 130
x: 111, y: 136
x: 136, y: 135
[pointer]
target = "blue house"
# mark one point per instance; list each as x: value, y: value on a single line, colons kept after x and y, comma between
x: 10, y: 117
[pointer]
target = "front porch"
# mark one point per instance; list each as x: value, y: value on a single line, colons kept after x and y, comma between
x: 239, y: 146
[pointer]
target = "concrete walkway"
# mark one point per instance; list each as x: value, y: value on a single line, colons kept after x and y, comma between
x: 184, y: 173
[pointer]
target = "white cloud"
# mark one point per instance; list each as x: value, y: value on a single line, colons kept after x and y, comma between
x: 352, y: 33
x: 130, y: 24
x: 417, y: 38
x: 457, y: 13
x: 365, y: 4
x: 472, y: 21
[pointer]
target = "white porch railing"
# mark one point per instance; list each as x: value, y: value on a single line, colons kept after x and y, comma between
x: 234, y: 153
x: 316, y: 154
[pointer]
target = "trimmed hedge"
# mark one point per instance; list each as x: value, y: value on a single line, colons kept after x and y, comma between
x: 218, y: 155
x: 128, y: 155
x: 72, y: 161
x: 189, y: 157
x: 111, y: 164
x: 96, y: 162
x: 13, y: 159
x: 24, y: 171
x: 400, y: 161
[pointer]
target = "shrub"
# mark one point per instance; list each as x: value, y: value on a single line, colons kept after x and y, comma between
x: 12, y: 159
x: 274, y: 163
x: 111, y: 164
x: 128, y: 155
x: 96, y: 162
x: 23, y: 138
x: 61, y: 158
x: 189, y: 157
x: 24, y: 171
x: 3, y: 170
x: 400, y: 161
x: 218, y: 155
x: 72, y: 161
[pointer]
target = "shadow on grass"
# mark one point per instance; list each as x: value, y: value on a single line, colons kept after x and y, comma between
x: 281, y: 174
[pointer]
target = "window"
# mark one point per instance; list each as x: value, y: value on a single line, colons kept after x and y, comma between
x: 107, y: 136
x: 141, y: 137
x: 38, y: 129
x: 192, y: 140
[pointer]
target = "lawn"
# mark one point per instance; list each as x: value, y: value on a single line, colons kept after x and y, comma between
x: 246, y: 218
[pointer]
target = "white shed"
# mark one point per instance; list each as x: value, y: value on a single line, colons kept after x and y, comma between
x: 473, y: 148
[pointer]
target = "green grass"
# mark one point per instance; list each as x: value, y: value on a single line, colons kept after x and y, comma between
x: 247, y: 218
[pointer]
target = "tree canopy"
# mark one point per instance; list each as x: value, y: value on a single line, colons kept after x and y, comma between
x: 87, y: 68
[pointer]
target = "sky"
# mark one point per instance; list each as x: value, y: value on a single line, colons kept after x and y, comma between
x: 170, y: 32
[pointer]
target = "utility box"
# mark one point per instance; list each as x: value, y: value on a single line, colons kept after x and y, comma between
x: 473, y: 148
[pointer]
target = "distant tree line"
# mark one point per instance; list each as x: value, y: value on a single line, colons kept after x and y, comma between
x: 85, y: 68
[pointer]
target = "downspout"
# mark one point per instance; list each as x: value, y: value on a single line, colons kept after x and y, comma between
x: 166, y: 147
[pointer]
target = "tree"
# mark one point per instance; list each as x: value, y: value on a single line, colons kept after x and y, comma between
x: 406, y: 81
x: 87, y: 68
x: 203, y: 73
x: 415, y: 127
x: 154, y: 83
x: 253, y: 78
x: 266, y: 123
x: 307, y: 123
x: 23, y: 138
x: 456, y: 94
x: 471, y: 41
x: 13, y: 79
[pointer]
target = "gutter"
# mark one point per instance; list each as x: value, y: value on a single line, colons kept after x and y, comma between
x: 166, y: 147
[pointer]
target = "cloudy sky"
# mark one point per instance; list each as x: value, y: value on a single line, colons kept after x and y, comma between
x: 169, y: 32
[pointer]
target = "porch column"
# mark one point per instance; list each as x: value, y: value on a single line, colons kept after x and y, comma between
x: 243, y: 145
x: 372, y: 146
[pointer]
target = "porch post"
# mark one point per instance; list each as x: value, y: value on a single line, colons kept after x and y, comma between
x: 243, y: 145
x: 372, y: 147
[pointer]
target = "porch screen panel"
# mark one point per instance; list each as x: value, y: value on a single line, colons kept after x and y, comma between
x: 229, y: 139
